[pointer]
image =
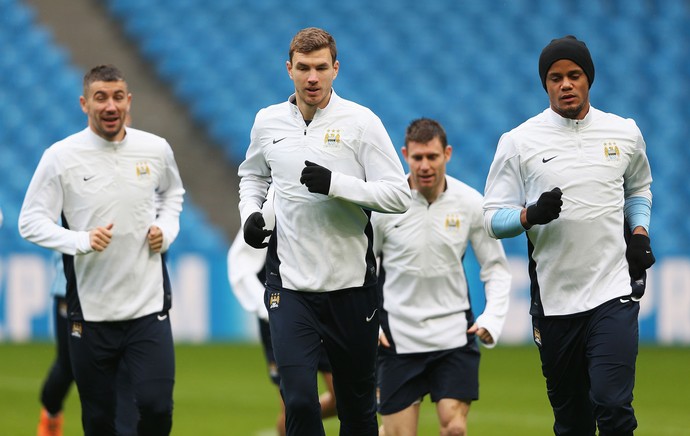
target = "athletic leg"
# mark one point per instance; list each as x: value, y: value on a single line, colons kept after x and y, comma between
x: 265, y: 335
x: 59, y: 380
x: 94, y: 353
x: 454, y: 383
x: 351, y: 324
x: 327, y: 399
x: 57, y: 384
x: 296, y: 345
x: 612, y: 351
x: 150, y: 357
x: 402, y: 423
x: 452, y: 416
x: 126, y: 412
x: 401, y: 384
x: 561, y: 345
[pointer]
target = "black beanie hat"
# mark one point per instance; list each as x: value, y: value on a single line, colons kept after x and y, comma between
x: 567, y: 47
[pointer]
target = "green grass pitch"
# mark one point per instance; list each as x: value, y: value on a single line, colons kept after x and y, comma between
x: 223, y: 390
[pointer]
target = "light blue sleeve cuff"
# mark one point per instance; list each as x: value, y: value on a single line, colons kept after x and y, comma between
x: 506, y: 223
x: 638, y: 212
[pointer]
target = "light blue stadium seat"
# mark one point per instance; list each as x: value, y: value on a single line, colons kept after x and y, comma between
x: 33, y: 116
x: 473, y: 65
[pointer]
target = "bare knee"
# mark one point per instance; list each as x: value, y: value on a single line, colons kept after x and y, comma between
x: 454, y: 428
x: 453, y: 417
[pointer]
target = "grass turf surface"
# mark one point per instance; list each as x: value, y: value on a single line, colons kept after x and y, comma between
x: 223, y: 390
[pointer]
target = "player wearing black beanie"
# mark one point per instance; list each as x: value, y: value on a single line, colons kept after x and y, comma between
x: 572, y: 177
x: 567, y: 47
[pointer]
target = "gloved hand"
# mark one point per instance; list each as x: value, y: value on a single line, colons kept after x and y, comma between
x: 639, y: 255
x: 254, y: 231
x: 546, y: 209
x: 316, y: 178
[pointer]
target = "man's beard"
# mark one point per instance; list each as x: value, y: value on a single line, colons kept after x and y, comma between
x: 572, y: 113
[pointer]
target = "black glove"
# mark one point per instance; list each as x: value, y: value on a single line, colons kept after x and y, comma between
x: 639, y: 255
x: 316, y: 178
x: 254, y: 232
x: 546, y: 209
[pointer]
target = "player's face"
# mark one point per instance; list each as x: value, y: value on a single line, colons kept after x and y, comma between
x: 568, y: 89
x: 427, y: 162
x: 313, y: 74
x: 106, y: 106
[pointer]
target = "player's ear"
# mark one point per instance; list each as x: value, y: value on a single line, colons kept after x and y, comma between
x: 288, y: 67
x: 82, y: 103
x: 336, y: 68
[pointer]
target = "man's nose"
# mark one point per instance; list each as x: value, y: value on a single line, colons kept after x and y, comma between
x: 313, y: 76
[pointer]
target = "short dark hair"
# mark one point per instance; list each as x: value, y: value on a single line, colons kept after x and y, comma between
x: 102, y: 73
x: 312, y: 39
x: 423, y: 130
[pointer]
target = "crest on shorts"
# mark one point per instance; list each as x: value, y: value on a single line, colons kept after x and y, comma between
x: 273, y: 370
x: 611, y: 151
x: 537, y: 337
x: 76, y: 329
x: 274, y: 300
x: 452, y: 221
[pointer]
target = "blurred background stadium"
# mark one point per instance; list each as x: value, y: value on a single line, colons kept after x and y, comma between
x: 199, y: 71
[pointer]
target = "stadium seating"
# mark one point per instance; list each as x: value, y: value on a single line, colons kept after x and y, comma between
x: 472, y: 65
x: 37, y: 84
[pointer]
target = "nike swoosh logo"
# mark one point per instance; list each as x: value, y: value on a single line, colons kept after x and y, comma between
x: 86, y: 179
x: 625, y: 300
x: 162, y: 317
x: 369, y: 318
x: 278, y: 140
x: 544, y: 160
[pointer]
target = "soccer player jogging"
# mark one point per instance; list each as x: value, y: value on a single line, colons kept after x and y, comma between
x: 569, y: 177
x: 57, y: 383
x: 119, y: 193
x: 332, y: 163
x: 428, y: 342
x: 247, y: 275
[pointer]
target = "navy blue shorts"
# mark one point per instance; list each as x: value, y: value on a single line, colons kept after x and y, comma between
x: 265, y: 333
x: 589, y: 365
x: 403, y: 379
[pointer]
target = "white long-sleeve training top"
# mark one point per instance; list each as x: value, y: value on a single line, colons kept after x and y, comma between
x: 322, y: 242
x: 578, y: 260
x: 425, y: 292
x: 132, y: 184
